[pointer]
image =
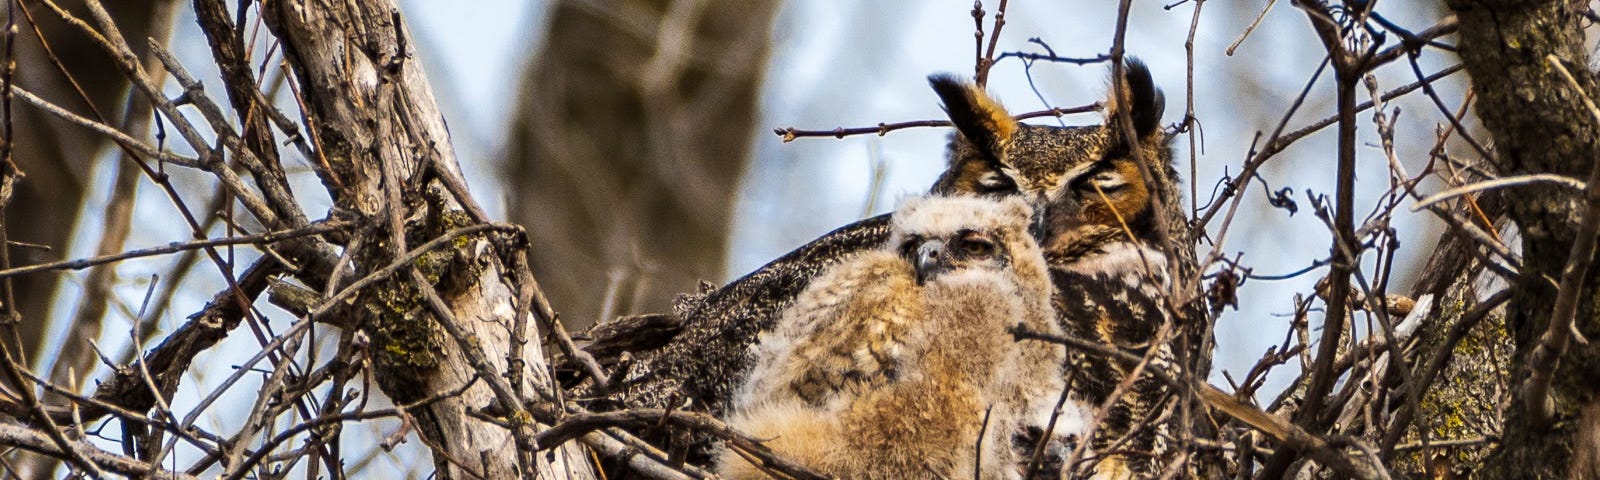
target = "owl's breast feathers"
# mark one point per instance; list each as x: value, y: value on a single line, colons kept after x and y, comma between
x: 1118, y: 294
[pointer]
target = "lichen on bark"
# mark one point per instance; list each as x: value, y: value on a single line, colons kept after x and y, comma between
x: 1539, y: 125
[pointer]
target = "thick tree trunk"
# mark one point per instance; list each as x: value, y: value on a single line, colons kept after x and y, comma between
x: 378, y: 127
x: 1540, y: 125
x: 1461, y: 366
x: 633, y: 128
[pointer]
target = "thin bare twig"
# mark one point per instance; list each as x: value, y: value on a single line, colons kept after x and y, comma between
x: 1512, y: 181
x: 175, y: 247
x: 1348, y: 67
x: 117, y: 223
x: 521, y: 429
x: 28, y: 439
x: 1276, y: 143
x: 121, y: 139
x: 986, y: 60
x: 1441, y: 355
x: 789, y: 134
x: 1275, y: 427
x: 1250, y: 28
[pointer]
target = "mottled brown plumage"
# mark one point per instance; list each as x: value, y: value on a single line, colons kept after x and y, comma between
x: 1100, y: 232
x: 1056, y: 169
x: 888, y: 364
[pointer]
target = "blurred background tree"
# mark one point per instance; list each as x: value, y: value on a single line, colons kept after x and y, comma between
x: 59, y: 158
x: 632, y: 128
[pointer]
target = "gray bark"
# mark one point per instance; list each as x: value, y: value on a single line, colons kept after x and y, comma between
x: 1539, y: 126
x: 384, y: 139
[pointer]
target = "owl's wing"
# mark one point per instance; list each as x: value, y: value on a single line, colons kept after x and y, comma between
x: 710, y: 357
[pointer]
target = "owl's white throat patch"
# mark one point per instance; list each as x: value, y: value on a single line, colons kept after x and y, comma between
x: 1134, y: 262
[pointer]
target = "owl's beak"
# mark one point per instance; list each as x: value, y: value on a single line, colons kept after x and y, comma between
x: 927, y: 260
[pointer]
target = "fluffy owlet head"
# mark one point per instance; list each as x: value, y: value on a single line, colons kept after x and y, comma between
x: 943, y: 234
x: 1084, y: 180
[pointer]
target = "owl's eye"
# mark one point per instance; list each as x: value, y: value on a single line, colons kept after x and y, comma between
x: 976, y: 244
x: 909, y: 248
x: 996, y: 182
x: 1106, y: 181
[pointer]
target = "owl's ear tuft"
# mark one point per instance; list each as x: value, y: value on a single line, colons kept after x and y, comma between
x: 980, y: 119
x: 1139, y: 97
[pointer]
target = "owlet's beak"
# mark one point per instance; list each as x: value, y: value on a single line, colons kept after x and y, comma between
x: 926, y: 262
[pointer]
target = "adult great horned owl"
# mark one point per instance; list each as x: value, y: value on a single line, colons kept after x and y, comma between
x: 889, y: 364
x: 1052, y: 168
x: 990, y: 156
x: 1101, y: 233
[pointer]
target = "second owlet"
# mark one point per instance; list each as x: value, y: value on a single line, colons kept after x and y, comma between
x: 891, y: 363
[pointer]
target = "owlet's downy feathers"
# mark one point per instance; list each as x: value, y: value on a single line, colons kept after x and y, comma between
x: 890, y: 363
